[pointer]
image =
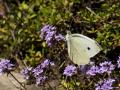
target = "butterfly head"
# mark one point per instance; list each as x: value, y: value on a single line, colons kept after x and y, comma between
x: 68, y: 35
x: 68, y: 32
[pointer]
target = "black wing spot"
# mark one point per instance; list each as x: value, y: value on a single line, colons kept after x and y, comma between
x: 88, y: 48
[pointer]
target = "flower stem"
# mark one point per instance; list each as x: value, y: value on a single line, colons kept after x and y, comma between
x: 17, y: 80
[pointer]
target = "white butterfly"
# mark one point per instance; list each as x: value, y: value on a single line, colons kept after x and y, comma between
x: 81, y: 48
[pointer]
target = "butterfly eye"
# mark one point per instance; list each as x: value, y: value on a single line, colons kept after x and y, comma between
x: 88, y: 48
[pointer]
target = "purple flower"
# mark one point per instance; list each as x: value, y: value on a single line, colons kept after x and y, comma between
x: 49, y: 37
x: 93, y: 70
x: 40, y: 68
x: 40, y: 80
x: 37, y: 71
x: 26, y: 72
x: 118, y: 62
x: 47, y: 63
x: 70, y: 70
x: 84, y: 68
x: 46, y: 29
x: 106, y: 67
x: 105, y: 85
x: 59, y: 37
x: 49, y: 33
x: 5, y: 66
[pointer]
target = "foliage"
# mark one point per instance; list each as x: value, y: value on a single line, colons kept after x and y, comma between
x: 21, y: 23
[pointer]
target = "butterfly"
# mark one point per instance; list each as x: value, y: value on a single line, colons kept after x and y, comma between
x: 81, y: 48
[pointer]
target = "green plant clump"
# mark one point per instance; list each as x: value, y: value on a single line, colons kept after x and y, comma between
x: 23, y: 42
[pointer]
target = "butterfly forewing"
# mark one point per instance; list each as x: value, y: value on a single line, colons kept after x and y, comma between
x: 77, y: 52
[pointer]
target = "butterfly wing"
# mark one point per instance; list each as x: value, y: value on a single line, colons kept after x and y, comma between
x: 76, y: 50
x: 90, y: 45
